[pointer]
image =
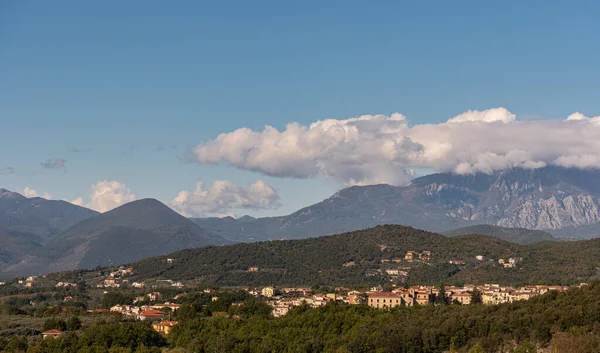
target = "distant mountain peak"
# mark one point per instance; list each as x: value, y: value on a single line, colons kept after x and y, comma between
x: 244, y: 218
x: 146, y: 201
x: 7, y: 194
x: 142, y: 208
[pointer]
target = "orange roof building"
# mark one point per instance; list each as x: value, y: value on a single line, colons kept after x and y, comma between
x: 164, y: 326
x: 52, y: 333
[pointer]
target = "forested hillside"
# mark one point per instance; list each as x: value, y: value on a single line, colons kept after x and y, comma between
x: 363, y: 256
x: 517, y: 235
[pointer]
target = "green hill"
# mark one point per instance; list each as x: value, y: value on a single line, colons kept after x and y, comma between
x: 356, y: 257
x: 517, y: 235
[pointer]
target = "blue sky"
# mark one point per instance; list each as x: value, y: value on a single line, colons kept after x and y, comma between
x: 122, y: 90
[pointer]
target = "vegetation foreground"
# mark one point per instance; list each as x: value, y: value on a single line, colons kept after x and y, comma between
x: 554, y: 322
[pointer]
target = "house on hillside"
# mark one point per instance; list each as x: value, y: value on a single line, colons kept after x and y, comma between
x: 384, y: 300
x: 52, y: 334
x: 354, y: 297
x: 151, y: 315
x: 456, y: 262
x: 280, y: 310
x: 410, y: 255
x: 164, y: 327
x: 171, y: 306
x: 126, y: 271
x: 463, y: 298
x: 268, y: 292
x: 153, y: 296
x: 111, y: 282
x: 425, y: 255
x: 65, y: 284
x: 422, y: 297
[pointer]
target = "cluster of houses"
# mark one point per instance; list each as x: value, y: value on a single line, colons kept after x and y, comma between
x: 510, y: 263
x: 506, y: 263
x: 28, y: 282
x: 491, y: 294
x: 145, y: 312
x: 282, y: 305
x: 410, y: 256
x: 65, y: 284
x: 115, y: 278
x: 496, y: 294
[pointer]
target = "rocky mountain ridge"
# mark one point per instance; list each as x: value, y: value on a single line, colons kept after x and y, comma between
x: 549, y: 198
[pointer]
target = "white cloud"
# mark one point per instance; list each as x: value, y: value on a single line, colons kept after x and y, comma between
x: 222, y: 196
x: 363, y: 150
x: 577, y: 116
x: 107, y: 195
x: 29, y: 192
x: 490, y: 115
x: 78, y: 201
x: 379, y: 149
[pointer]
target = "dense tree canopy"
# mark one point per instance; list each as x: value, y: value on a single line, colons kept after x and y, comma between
x: 321, y: 261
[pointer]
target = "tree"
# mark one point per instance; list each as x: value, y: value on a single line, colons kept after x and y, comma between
x: 73, y: 323
x: 442, y: 297
x: 476, y: 297
x: 17, y: 344
x: 55, y: 324
x: 255, y: 307
x: 111, y: 299
x: 526, y: 347
x: 476, y: 349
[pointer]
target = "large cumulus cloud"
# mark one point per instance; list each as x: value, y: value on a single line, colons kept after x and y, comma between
x: 224, y: 195
x: 107, y: 195
x: 379, y: 149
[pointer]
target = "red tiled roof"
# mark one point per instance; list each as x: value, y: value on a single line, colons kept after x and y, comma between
x: 383, y: 295
x: 167, y: 323
x: 152, y: 313
x: 52, y: 332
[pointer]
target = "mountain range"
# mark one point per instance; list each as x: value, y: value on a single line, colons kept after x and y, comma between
x: 127, y: 233
x: 38, y: 216
x: 550, y: 199
x: 39, y: 235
